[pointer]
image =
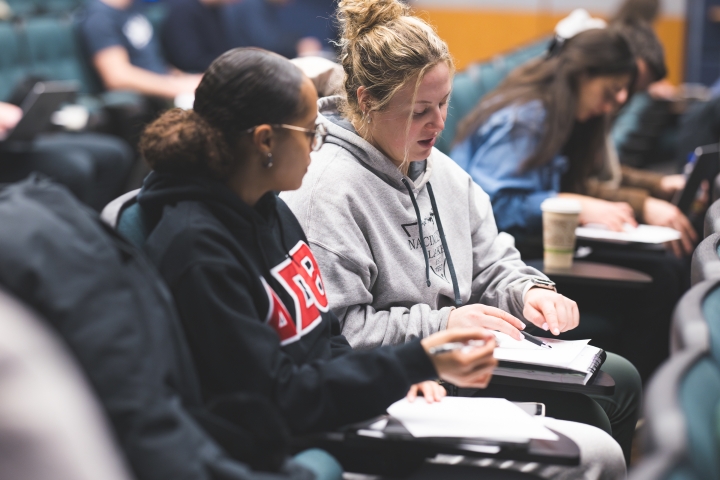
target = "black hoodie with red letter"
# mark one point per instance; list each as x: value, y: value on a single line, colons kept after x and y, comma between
x: 254, y: 308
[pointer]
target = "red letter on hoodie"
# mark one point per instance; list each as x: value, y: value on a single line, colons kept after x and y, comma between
x: 278, y: 317
x: 300, y: 275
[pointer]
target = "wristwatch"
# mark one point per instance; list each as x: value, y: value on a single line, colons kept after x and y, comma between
x: 543, y: 283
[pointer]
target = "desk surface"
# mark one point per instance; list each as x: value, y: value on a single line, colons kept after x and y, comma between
x: 601, y: 384
x: 400, y: 452
x: 596, y: 274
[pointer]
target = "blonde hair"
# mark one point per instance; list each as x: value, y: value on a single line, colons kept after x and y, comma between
x: 383, y: 47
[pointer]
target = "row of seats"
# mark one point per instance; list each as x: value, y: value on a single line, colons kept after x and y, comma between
x: 51, y: 48
x: 682, y: 409
x: 30, y: 8
x: 44, y: 47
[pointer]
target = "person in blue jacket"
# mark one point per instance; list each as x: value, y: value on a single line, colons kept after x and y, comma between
x: 543, y: 132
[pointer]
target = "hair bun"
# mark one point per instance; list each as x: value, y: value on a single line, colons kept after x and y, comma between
x: 359, y: 16
x: 181, y: 141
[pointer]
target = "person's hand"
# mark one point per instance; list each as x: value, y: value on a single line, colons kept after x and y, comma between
x: 432, y: 391
x: 550, y: 311
x: 614, y: 215
x: 10, y: 115
x: 672, y: 183
x: 469, y: 367
x: 664, y: 214
x: 478, y: 315
x: 663, y: 90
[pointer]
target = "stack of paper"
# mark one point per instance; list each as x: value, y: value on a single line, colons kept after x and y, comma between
x: 568, y: 361
x: 639, y: 234
x: 493, y: 419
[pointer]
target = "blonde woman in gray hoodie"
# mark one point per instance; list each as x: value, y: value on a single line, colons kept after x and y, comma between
x: 406, y: 241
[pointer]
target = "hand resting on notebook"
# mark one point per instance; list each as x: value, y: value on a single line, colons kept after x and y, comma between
x: 550, y: 311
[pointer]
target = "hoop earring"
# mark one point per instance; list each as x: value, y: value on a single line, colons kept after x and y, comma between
x: 269, y: 161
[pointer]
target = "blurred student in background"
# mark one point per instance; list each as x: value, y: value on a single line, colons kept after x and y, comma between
x: 196, y: 32
x: 291, y: 28
x: 93, y: 166
x: 543, y: 133
x: 123, y: 48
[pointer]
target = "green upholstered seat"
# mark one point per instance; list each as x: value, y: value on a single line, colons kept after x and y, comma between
x: 55, y: 52
x: 132, y: 225
x: 21, y: 7
x: 699, y: 396
x: 13, y: 57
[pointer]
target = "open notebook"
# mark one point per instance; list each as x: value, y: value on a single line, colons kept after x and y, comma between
x: 566, y: 362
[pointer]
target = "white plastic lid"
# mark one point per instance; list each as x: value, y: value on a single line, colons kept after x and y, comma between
x: 560, y: 205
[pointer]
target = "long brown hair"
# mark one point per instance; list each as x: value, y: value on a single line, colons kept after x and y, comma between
x: 554, y: 80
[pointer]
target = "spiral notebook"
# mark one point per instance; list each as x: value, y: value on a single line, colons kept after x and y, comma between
x: 568, y: 361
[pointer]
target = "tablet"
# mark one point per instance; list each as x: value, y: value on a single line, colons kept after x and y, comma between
x: 706, y: 167
x: 43, y: 100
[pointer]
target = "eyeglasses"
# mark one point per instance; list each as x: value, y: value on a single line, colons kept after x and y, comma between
x: 317, y: 135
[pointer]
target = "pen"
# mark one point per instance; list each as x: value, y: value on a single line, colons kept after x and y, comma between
x: 452, y: 346
x: 535, y: 340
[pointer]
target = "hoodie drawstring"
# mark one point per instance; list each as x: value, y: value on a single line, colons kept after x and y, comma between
x: 453, y: 276
x: 422, y: 238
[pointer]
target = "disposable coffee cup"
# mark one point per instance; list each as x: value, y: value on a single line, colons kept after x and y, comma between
x: 560, y: 218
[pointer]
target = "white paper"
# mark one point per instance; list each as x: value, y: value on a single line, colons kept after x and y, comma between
x: 641, y: 234
x: 459, y: 417
x: 562, y: 354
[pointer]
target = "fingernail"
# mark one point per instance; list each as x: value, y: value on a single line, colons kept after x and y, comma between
x: 556, y: 331
x: 522, y: 327
x: 545, y: 326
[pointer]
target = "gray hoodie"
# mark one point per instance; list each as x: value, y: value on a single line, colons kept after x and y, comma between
x: 361, y: 221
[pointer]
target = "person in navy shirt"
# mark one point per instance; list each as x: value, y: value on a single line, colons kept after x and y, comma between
x: 125, y: 52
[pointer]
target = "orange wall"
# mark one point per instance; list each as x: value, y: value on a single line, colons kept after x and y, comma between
x: 474, y: 35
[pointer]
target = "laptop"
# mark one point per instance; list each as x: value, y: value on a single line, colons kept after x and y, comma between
x: 38, y: 106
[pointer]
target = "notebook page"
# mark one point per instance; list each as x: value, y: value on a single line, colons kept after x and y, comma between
x: 639, y: 234
x: 461, y: 417
x: 562, y: 353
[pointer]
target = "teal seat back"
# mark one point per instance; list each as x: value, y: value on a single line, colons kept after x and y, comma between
x: 711, y: 313
x: 21, y: 7
x: 55, y: 52
x: 699, y: 397
x: 479, y: 79
x: 132, y: 224
x: 13, y: 57
x: 57, y: 7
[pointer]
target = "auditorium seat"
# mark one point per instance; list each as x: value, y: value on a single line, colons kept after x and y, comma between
x: 712, y: 217
x: 55, y: 52
x: 13, y: 55
x: 680, y: 438
x: 682, y: 401
x: 689, y: 329
x: 706, y: 260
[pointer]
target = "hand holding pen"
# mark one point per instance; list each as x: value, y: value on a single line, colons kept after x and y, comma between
x: 467, y: 365
x: 467, y: 346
